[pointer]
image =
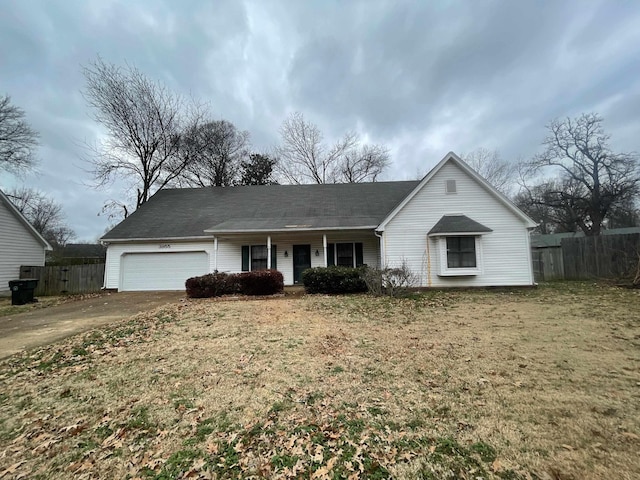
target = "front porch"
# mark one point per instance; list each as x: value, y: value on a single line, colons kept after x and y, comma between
x: 293, y: 252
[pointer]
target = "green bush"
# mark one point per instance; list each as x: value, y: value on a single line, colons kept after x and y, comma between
x: 333, y: 280
x: 261, y: 282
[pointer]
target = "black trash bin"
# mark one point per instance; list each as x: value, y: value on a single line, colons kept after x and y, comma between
x: 22, y: 290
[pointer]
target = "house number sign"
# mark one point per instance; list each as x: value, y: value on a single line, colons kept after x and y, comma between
x: 165, y: 245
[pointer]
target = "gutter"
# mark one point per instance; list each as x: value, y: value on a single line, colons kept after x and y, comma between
x: 280, y: 230
x: 107, y: 241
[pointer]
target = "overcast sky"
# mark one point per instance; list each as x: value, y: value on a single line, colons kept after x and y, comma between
x: 423, y: 78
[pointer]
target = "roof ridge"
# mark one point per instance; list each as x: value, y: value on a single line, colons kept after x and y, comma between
x: 288, y: 185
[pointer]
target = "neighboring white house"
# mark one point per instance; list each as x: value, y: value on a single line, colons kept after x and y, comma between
x: 20, y: 244
x: 451, y: 228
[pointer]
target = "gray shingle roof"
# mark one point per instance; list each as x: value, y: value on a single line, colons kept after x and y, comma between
x: 188, y: 212
x: 458, y: 224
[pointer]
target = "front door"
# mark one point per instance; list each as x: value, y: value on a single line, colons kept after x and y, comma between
x: 301, y: 261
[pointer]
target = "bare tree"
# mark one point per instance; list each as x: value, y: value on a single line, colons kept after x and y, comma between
x: 591, y: 180
x: 44, y: 214
x: 144, y: 122
x: 303, y: 157
x: 498, y: 172
x: 18, y: 141
x: 540, y: 203
x: 115, y: 209
x: 364, y: 163
x: 212, y: 154
x: 625, y: 214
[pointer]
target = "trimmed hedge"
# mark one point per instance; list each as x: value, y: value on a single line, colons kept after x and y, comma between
x: 212, y: 285
x: 333, y: 280
x: 262, y: 282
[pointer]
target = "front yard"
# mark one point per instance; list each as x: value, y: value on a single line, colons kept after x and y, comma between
x: 538, y: 383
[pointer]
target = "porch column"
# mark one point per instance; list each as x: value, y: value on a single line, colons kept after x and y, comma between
x: 383, y: 253
x: 215, y: 254
x: 324, y: 248
x: 268, y: 252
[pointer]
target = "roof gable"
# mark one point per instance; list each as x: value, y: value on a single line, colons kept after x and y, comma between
x: 21, y: 218
x: 452, y: 157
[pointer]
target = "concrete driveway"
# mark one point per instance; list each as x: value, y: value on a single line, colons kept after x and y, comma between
x: 43, y: 326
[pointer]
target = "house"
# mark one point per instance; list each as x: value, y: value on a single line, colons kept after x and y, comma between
x: 20, y: 244
x: 451, y: 228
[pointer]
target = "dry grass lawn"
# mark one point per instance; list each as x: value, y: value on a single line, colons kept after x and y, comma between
x: 524, y: 384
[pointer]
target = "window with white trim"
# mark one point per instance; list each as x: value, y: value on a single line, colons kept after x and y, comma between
x: 461, y: 252
x: 346, y: 254
x: 460, y: 255
x: 254, y: 257
x: 258, y: 257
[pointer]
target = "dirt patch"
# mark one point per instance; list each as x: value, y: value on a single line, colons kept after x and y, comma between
x: 54, y: 318
x: 527, y: 384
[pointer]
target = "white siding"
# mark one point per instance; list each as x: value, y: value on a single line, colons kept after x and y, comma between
x: 117, y: 251
x: 506, y: 259
x: 17, y: 247
x: 229, y: 254
x: 230, y: 249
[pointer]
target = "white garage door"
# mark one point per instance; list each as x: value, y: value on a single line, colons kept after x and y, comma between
x: 161, y: 271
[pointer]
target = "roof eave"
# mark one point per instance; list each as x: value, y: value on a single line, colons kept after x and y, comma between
x: 458, y: 234
x: 155, y: 239
x: 281, y: 230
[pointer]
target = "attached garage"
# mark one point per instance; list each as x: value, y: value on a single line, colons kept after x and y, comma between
x: 161, y: 271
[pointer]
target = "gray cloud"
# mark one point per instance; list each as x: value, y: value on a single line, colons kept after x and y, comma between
x: 422, y: 77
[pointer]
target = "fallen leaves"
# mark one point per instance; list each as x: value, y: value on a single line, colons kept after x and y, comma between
x: 12, y: 469
x: 351, y: 390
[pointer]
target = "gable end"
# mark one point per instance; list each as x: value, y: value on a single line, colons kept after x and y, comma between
x: 452, y: 157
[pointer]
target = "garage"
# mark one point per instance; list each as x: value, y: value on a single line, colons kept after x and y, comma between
x: 161, y: 271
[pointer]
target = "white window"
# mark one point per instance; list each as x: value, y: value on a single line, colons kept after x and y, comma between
x: 258, y: 257
x: 254, y: 257
x: 345, y: 254
x: 461, y: 252
x: 460, y: 255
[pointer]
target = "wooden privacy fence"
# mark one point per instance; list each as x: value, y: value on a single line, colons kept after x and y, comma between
x: 547, y: 264
x: 65, y: 279
x: 604, y: 256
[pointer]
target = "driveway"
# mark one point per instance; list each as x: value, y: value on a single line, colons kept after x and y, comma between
x: 43, y: 326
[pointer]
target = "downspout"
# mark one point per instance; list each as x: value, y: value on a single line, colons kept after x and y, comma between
x: 106, y: 263
x: 428, y: 264
x: 382, y: 249
x: 268, y: 252
x: 324, y: 248
x: 215, y: 254
x: 528, y: 244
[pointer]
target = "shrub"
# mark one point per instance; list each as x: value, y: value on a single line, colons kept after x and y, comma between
x: 333, y: 280
x: 212, y: 285
x: 394, y: 282
x: 261, y: 282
